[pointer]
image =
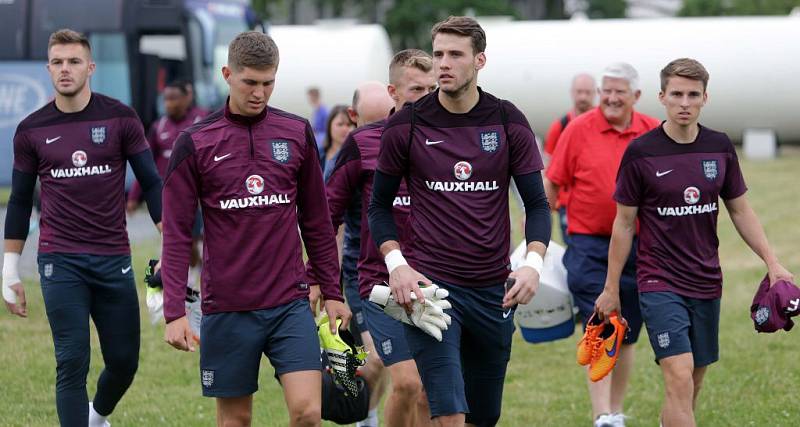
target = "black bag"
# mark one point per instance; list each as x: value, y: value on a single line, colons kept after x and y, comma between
x: 338, y: 405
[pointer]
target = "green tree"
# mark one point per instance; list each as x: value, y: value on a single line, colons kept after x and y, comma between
x: 607, y: 9
x: 408, y: 22
x: 737, y: 7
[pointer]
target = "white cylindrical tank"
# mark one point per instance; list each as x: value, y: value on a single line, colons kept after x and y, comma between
x: 754, y: 63
x: 334, y: 56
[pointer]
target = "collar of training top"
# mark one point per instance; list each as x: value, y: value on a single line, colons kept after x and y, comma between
x: 243, y: 120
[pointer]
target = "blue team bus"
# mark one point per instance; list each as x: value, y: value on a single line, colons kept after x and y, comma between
x: 138, y: 46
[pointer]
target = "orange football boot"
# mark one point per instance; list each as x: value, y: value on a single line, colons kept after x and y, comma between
x: 604, y: 357
x: 590, y: 340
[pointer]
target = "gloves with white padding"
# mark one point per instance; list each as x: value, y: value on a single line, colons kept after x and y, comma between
x: 428, y: 316
x: 155, y: 292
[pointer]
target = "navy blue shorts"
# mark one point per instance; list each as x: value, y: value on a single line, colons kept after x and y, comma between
x: 465, y: 372
x: 352, y: 297
x: 197, y: 228
x: 586, y: 261
x: 233, y: 342
x: 677, y: 324
x: 388, y: 334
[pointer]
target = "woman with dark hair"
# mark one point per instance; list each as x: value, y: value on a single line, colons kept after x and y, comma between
x: 339, y: 125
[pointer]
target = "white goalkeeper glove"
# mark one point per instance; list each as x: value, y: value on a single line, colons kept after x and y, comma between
x: 429, y: 317
x: 155, y: 304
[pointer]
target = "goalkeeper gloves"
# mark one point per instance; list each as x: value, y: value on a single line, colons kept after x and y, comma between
x: 428, y: 316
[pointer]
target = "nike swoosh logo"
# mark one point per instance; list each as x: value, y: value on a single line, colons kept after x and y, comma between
x: 660, y: 174
x: 51, y: 140
x: 613, y: 350
x: 216, y: 159
x: 506, y: 314
x: 126, y: 270
x: 429, y: 142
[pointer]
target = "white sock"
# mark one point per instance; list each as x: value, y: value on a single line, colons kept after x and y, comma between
x: 371, y: 420
x: 95, y: 419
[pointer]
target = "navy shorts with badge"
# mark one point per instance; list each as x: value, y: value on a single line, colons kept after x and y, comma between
x: 677, y: 324
x: 233, y: 342
x: 586, y: 261
x: 465, y: 372
x: 388, y: 335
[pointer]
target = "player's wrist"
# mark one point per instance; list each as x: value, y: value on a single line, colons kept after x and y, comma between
x: 10, y: 268
x: 534, y: 261
x: 394, y: 259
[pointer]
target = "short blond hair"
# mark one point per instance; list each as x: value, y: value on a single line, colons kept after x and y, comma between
x: 67, y: 36
x: 409, y: 58
x: 253, y: 49
x: 687, y: 68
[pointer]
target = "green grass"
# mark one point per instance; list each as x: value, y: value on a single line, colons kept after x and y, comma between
x: 754, y: 383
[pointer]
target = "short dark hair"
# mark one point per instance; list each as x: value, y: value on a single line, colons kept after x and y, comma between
x: 412, y: 58
x: 67, y: 36
x: 462, y: 26
x: 686, y: 68
x: 180, y: 84
x: 253, y: 49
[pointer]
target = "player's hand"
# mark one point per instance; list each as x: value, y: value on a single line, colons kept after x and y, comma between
x: 179, y: 334
x: 526, y: 283
x: 131, y: 206
x: 337, y: 310
x: 776, y: 272
x: 607, y: 303
x: 315, y: 298
x: 14, y: 297
x: 403, y: 282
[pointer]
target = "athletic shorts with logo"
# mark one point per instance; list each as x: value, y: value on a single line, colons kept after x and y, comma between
x: 465, y: 372
x: 233, y: 342
x: 388, y: 335
x: 586, y: 261
x: 677, y: 324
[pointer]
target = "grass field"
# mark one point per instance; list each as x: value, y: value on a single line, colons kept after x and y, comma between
x: 754, y: 383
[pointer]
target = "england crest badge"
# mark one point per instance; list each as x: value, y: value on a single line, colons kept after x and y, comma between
x: 490, y: 141
x: 710, y: 169
x: 98, y: 134
x: 280, y: 150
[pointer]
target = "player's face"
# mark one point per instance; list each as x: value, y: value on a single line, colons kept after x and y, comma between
x: 617, y: 100
x: 583, y: 93
x: 412, y: 85
x: 70, y: 66
x: 683, y: 99
x: 176, y: 103
x: 455, y: 64
x: 340, y: 127
x: 250, y: 88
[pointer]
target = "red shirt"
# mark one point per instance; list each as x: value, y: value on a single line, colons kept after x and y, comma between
x: 586, y: 160
x: 550, y: 142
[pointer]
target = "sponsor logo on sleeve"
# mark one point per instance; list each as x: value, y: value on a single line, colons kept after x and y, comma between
x: 280, y: 150
x: 490, y: 141
x: 710, y: 169
x: 98, y: 134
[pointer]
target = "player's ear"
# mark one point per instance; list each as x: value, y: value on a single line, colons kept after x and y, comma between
x: 480, y: 60
x: 352, y: 114
x: 661, y: 96
x: 226, y: 73
x: 705, y: 97
x: 637, y: 94
x: 392, y: 89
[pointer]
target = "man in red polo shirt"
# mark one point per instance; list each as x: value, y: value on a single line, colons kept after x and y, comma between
x: 582, y: 91
x: 586, y: 160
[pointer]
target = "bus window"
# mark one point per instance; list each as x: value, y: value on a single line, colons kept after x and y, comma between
x: 112, y: 77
